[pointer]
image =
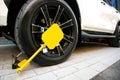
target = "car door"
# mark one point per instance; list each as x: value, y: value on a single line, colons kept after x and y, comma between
x: 98, y: 15
x: 3, y: 13
x: 108, y: 17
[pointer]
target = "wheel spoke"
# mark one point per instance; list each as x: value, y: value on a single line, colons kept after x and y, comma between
x: 60, y: 50
x: 34, y: 25
x: 40, y: 29
x: 36, y: 32
x: 46, y: 15
x: 58, y: 14
x: 67, y: 24
x: 68, y: 38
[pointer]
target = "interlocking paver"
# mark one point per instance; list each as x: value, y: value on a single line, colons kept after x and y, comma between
x: 98, y: 67
x: 86, y: 73
x: 64, y: 71
x: 71, y: 77
x: 19, y: 76
x: 65, y: 64
x: 6, y: 72
x: 46, y: 76
x: 42, y: 70
x: 82, y: 65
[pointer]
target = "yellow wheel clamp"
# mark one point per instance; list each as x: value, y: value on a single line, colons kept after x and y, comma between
x: 51, y: 38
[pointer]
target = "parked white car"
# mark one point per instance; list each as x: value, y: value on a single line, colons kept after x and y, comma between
x: 23, y: 21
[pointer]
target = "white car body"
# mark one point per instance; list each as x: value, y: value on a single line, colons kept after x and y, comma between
x: 99, y: 16
x: 3, y: 13
x: 96, y: 15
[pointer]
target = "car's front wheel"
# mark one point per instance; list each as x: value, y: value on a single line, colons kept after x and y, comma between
x: 35, y: 17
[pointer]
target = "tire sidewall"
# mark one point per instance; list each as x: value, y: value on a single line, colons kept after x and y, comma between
x: 23, y: 36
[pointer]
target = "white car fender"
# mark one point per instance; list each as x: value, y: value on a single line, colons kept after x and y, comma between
x: 3, y: 13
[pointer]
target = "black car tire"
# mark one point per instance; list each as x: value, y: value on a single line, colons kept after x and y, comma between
x: 28, y: 30
x: 116, y: 41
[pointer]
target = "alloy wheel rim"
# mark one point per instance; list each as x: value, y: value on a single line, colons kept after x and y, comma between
x: 49, y: 14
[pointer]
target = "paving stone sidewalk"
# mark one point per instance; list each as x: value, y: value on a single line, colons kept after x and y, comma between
x: 86, y: 62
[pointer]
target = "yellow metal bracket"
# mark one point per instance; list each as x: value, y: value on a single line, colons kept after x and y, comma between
x: 51, y: 38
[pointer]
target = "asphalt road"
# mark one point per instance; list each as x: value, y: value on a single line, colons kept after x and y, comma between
x: 112, y: 73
